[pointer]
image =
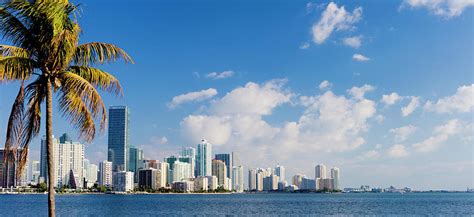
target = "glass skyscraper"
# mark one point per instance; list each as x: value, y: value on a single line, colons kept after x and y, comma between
x: 118, y: 137
x: 204, y: 159
x: 227, y: 159
x: 135, y: 161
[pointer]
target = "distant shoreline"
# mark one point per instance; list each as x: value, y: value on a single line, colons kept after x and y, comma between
x: 224, y: 193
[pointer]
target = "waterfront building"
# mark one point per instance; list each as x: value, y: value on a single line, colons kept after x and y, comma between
x: 291, y: 188
x: 297, y: 180
x: 201, y: 183
x: 164, y: 170
x: 227, y: 159
x: 282, y: 185
x: 256, y: 176
x: 105, y: 174
x: 320, y: 171
x: 183, y: 186
x: 270, y: 183
x: 123, y: 181
x: 219, y: 170
x: 326, y: 184
x: 181, y: 170
x: 212, y: 182
x: 280, y: 172
x: 170, y: 160
x: 259, y: 180
x: 236, y: 159
x: 67, y: 155
x: 204, y: 159
x: 118, y: 138
x: 189, y: 152
x: 335, y: 176
x: 8, y: 171
x: 35, y: 172
x: 91, y: 175
x: 308, y: 184
x: 135, y: 161
x: 149, y: 179
x: 238, y: 178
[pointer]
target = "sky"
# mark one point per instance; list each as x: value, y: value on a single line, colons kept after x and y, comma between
x: 384, y: 90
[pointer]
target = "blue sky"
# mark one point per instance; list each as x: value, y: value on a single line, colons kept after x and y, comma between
x: 256, y: 68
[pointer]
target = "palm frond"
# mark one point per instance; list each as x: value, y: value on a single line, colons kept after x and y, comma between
x: 75, y: 91
x: 13, y: 29
x: 98, y: 53
x: 16, y: 68
x: 7, y: 50
x: 15, y: 127
x: 98, y: 78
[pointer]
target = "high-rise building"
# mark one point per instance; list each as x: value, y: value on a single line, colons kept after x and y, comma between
x: 181, y: 170
x: 91, y: 175
x: 325, y: 184
x: 123, y: 181
x: 270, y: 183
x: 308, y: 184
x: 35, y: 172
x: 336, y: 178
x: 164, y: 169
x: 68, y: 156
x: 238, y: 178
x: 227, y: 159
x: 297, y: 180
x: 320, y: 171
x: 256, y: 176
x: 236, y: 159
x: 280, y: 172
x: 105, y: 174
x: 204, y: 159
x: 150, y: 164
x: 149, y: 178
x: 8, y: 171
x: 252, y: 179
x: 135, y: 161
x: 118, y: 144
x: 219, y: 170
x: 190, y: 153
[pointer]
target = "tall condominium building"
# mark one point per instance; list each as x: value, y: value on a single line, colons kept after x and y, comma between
x: 336, y: 178
x: 150, y: 164
x: 35, y: 171
x: 119, y: 117
x: 227, y: 159
x: 190, y: 153
x: 8, y: 171
x: 150, y: 179
x: 164, y: 169
x: 219, y: 170
x: 181, y: 170
x: 270, y: 183
x: 204, y: 159
x: 252, y: 179
x: 105, y: 174
x: 256, y: 176
x: 238, y: 178
x: 212, y: 182
x: 320, y: 171
x: 135, y: 161
x: 91, y: 175
x: 123, y: 181
x: 280, y: 172
x: 68, y: 159
x: 297, y: 180
x: 236, y: 159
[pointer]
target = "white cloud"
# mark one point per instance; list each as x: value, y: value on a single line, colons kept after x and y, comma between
x: 445, y: 8
x: 440, y: 135
x: 334, y: 18
x: 411, y: 107
x: 391, y: 99
x: 220, y: 75
x: 192, y: 97
x: 461, y: 102
x: 304, y: 46
x: 355, y: 41
x: 325, y: 85
x: 359, y: 92
x: 402, y: 133
x: 380, y: 119
x: 213, y: 128
x: 397, y: 151
x: 159, y: 140
x: 360, y: 58
x: 372, y: 154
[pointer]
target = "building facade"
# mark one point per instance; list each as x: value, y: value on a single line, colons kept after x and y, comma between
x: 123, y: 181
x: 135, y: 161
x: 105, y: 174
x: 280, y: 172
x: 118, y: 138
x: 227, y: 159
x: 335, y: 176
x: 204, y: 159
x: 238, y: 178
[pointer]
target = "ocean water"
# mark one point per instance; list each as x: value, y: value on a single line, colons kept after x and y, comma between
x: 438, y: 204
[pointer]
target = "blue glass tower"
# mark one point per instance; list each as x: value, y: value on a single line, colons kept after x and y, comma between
x: 118, y: 144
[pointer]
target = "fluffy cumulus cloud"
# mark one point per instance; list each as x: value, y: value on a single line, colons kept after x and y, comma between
x: 354, y: 42
x: 334, y: 18
x: 461, y: 102
x: 411, y: 107
x: 325, y: 85
x: 402, y: 133
x: 360, y: 58
x: 391, y: 99
x: 359, y: 92
x: 446, y: 8
x: 397, y: 151
x: 220, y: 75
x: 440, y: 135
x: 192, y: 97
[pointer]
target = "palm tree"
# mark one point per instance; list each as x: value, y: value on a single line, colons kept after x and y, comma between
x: 46, y: 58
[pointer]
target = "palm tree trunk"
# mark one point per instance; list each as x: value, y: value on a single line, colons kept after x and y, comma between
x: 50, y: 148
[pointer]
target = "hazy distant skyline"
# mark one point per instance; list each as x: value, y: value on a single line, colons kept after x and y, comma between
x: 384, y: 91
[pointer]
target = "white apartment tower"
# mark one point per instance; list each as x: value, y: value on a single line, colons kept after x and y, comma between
x: 204, y: 159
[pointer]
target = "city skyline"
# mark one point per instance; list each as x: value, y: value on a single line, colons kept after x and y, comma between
x: 387, y: 101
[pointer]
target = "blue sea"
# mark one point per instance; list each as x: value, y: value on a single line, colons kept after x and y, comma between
x: 437, y: 204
